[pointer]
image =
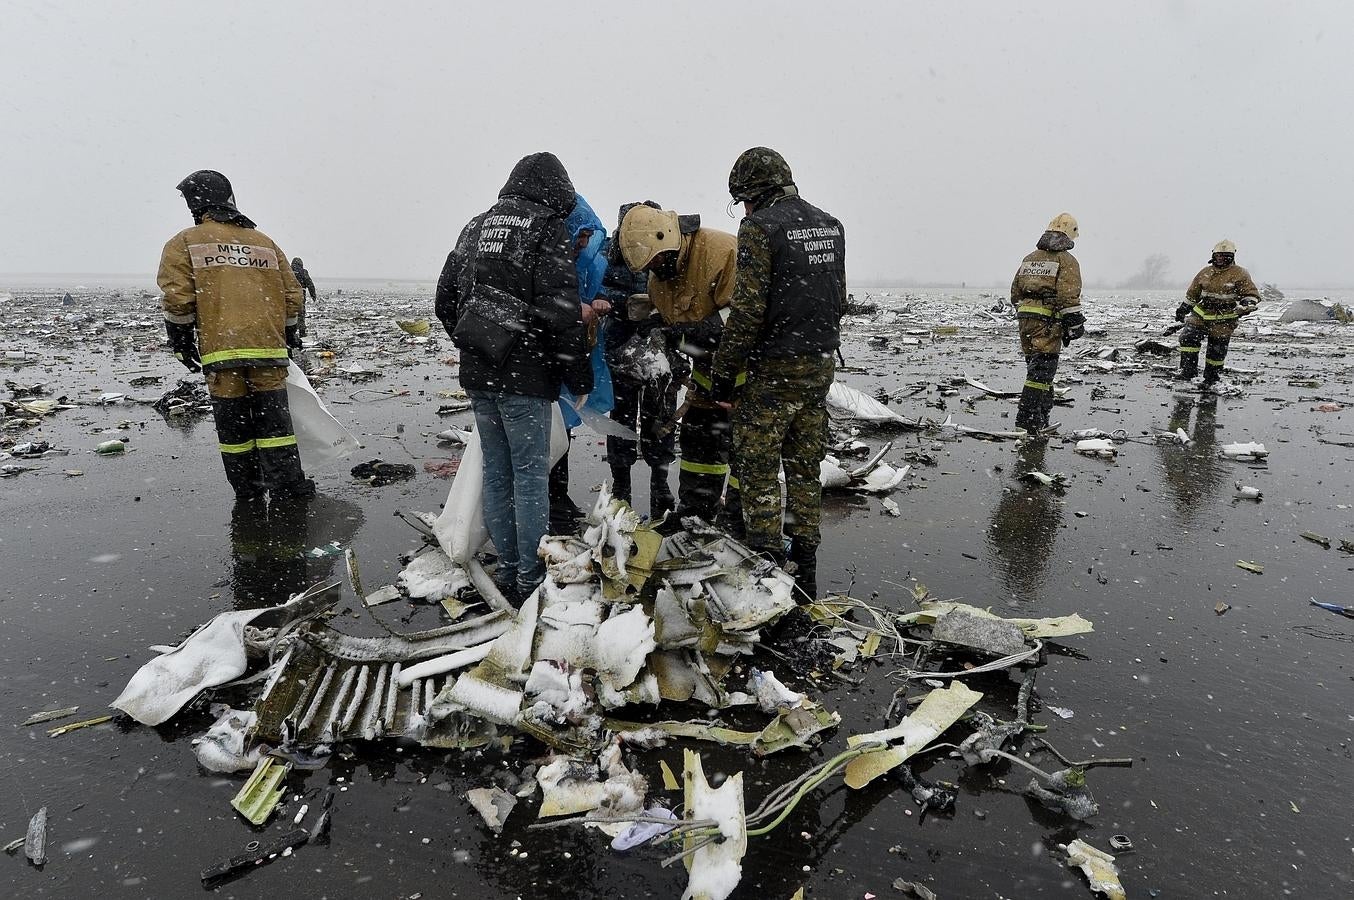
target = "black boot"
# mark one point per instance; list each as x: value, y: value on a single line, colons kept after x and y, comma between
x: 1027, y: 415
x: 660, y: 493
x: 564, y: 513
x: 1189, y: 367
x: 804, y: 558
x: 620, y: 484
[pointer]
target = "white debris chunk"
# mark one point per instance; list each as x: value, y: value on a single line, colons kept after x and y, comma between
x: 1244, y: 452
x: 1101, y: 873
x: 715, y: 869
x: 770, y: 693
x: 432, y: 576
x: 221, y: 749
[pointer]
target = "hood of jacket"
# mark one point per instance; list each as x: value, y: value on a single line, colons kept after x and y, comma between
x: 1054, y: 242
x: 541, y: 178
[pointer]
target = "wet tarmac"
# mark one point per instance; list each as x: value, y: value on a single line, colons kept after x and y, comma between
x: 1240, y: 724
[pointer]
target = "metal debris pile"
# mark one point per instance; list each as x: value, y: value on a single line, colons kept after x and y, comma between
x: 633, y: 640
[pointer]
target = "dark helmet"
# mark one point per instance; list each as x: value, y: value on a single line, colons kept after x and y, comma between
x: 208, y: 191
x: 758, y: 172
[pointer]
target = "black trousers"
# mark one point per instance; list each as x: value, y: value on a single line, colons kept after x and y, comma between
x: 254, y: 430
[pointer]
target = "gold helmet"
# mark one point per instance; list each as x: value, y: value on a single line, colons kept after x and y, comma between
x: 645, y: 233
x: 1225, y: 246
x: 1064, y: 223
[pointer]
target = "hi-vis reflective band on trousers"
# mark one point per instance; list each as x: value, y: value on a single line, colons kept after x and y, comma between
x: 269, y: 443
x: 704, y: 468
x: 245, y: 353
x: 733, y: 483
x: 1189, y: 349
x: 1039, y: 385
x: 706, y: 383
x: 1026, y: 309
x: 1213, y: 362
x: 238, y: 256
x: 245, y: 447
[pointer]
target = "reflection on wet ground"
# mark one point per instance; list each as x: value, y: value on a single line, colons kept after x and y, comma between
x: 1239, y: 723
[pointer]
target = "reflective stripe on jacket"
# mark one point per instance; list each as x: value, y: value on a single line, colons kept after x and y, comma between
x: 236, y: 286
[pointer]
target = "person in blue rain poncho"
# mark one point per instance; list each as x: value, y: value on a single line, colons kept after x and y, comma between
x: 589, y: 237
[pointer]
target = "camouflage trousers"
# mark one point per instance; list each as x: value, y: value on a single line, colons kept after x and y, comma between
x: 781, y: 420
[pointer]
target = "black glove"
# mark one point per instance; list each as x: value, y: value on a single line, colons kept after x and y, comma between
x: 1181, y: 311
x: 293, y: 336
x: 1074, y: 326
x: 183, y: 343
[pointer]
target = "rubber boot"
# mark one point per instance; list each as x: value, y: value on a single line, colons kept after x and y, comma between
x: 1027, y: 415
x: 564, y: 513
x: 661, y: 500
x: 1189, y: 367
x: 804, y: 558
x: 620, y: 484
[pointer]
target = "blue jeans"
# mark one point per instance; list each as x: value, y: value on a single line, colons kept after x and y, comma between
x: 515, y: 438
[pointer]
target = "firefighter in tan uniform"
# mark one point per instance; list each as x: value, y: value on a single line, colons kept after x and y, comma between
x: 1214, y: 303
x: 691, y: 277
x: 1046, y: 293
x: 230, y: 304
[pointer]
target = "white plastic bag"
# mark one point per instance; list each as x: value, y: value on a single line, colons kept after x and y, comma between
x: 460, y: 528
x: 320, y: 438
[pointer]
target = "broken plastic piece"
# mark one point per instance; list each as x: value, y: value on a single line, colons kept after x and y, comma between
x: 1315, y: 538
x: 493, y: 804
x: 74, y: 726
x: 714, y: 867
x: 1101, y: 873
x: 1100, y: 447
x: 996, y: 636
x: 261, y: 793
x: 1244, y: 452
x: 1060, y: 626
x: 261, y: 853
x: 1246, y: 492
x: 35, y: 842
x: 49, y: 714
x: 940, y: 709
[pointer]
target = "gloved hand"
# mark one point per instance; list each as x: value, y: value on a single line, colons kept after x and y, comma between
x: 1245, y: 309
x: 293, y: 336
x: 1181, y: 311
x: 183, y: 342
x: 1074, y: 326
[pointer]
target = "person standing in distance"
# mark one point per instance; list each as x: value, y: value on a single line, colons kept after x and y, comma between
x: 508, y: 296
x: 230, y: 306
x: 1046, y: 293
x: 1214, y: 303
x: 784, y: 330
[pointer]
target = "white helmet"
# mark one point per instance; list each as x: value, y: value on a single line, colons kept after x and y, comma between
x: 1064, y: 223
x: 1225, y: 246
x: 645, y: 233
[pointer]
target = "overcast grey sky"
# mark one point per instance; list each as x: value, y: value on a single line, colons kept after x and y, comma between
x: 944, y: 136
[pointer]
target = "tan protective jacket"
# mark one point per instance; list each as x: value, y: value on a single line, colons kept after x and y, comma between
x: 1047, y: 284
x: 1216, y: 292
x: 236, y: 285
x: 704, y: 279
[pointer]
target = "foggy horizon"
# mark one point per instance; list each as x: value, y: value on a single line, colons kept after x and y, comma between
x: 944, y: 139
